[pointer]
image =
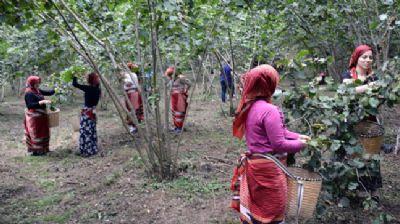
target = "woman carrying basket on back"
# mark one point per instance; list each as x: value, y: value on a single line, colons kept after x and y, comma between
x: 258, y: 184
x: 360, y: 67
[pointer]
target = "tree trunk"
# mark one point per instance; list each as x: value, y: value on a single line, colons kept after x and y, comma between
x: 2, y: 92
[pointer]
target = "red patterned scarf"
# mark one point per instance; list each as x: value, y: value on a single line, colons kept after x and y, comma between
x: 259, y: 83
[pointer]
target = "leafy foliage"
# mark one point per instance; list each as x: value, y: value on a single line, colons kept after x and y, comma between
x: 301, y: 38
x: 334, y: 150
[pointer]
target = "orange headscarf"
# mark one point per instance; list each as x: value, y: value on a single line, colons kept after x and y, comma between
x: 259, y: 83
x: 170, y: 71
x: 30, y: 84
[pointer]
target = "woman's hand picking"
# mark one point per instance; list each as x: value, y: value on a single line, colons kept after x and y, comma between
x: 305, y: 137
x: 303, y: 141
x: 44, y: 102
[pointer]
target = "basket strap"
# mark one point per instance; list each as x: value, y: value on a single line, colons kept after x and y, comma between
x: 278, y: 163
x: 300, y: 185
x: 300, y: 194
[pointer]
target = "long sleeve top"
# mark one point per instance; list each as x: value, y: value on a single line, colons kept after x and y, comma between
x: 226, y: 74
x: 92, y: 93
x: 130, y: 81
x: 266, y: 132
x: 32, y: 99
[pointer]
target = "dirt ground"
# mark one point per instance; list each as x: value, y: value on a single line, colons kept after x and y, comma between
x: 111, y: 187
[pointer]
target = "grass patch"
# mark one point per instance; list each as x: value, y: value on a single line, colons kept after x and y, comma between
x: 58, y: 218
x: 47, y: 201
x: 23, y: 211
x: 111, y: 179
x: 190, y: 187
x: 47, y: 184
x: 33, y: 161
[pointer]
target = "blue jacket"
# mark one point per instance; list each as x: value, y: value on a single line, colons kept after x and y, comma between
x: 227, y: 76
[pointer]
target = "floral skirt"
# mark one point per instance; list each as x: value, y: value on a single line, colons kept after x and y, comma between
x: 88, y: 136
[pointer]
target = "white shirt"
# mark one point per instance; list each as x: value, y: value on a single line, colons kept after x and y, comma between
x: 131, y: 79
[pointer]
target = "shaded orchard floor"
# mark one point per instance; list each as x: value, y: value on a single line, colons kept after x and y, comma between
x: 112, y: 188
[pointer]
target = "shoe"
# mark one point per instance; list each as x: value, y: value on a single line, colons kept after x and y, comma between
x: 133, y: 130
x: 38, y: 153
x: 387, y: 148
x: 178, y: 130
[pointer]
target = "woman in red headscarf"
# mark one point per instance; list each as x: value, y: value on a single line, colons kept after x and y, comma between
x: 87, y: 131
x: 179, y: 96
x: 258, y: 184
x: 131, y: 87
x: 37, y: 131
x: 360, y: 67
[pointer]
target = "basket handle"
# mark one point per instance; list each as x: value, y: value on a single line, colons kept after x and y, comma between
x: 300, y: 185
x: 278, y: 163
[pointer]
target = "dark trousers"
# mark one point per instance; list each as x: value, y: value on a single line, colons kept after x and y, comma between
x: 224, y: 89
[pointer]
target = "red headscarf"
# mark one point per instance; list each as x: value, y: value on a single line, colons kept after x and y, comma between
x: 30, y: 84
x: 93, y: 79
x: 360, y: 50
x: 170, y: 71
x: 259, y: 83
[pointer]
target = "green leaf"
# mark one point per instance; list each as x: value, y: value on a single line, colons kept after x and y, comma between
x: 352, y: 186
x: 373, y: 102
x: 373, y: 25
x: 358, y: 82
x: 302, y: 54
x: 313, y: 143
x: 335, y: 145
x: 357, y: 163
x: 66, y: 76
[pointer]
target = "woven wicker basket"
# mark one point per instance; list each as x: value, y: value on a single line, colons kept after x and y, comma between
x: 370, y: 135
x: 54, y: 118
x: 312, y: 183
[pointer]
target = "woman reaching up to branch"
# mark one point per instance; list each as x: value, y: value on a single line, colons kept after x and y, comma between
x: 87, y: 131
x: 258, y: 184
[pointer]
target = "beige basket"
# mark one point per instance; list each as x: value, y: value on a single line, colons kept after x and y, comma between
x: 54, y: 118
x: 303, y: 193
x: 370, y: 135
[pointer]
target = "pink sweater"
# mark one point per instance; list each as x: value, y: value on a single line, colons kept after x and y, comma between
x: 266, y: 132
